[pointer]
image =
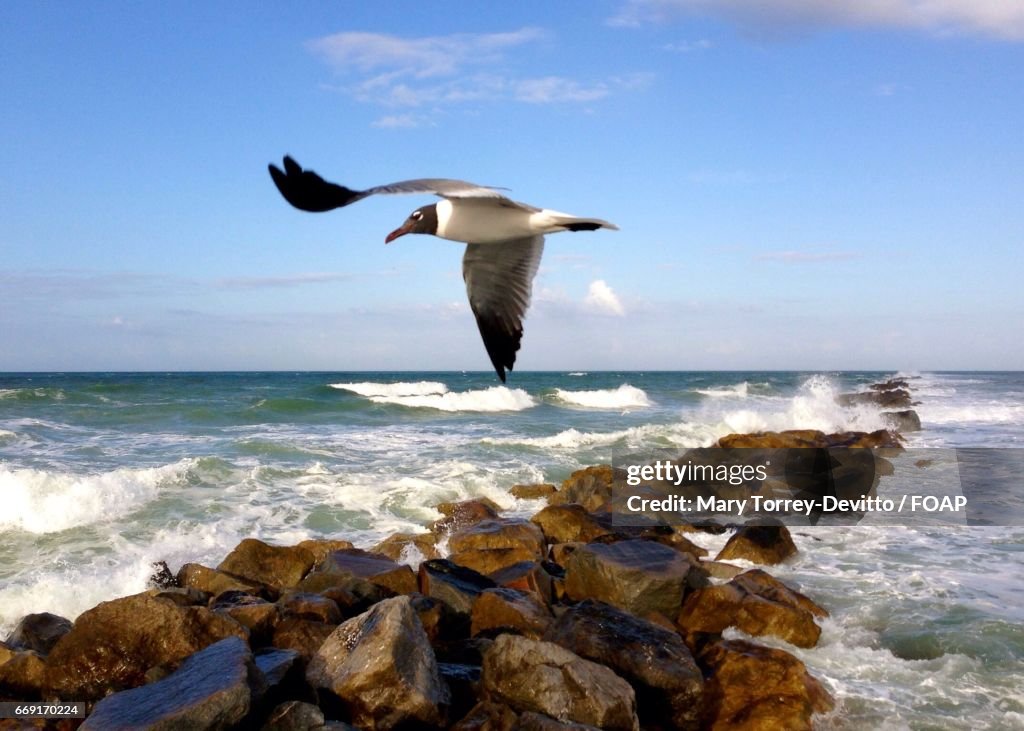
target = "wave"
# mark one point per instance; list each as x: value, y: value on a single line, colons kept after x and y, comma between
x: 495, y: 398
x: 577, y: 373
x: 41, y: 501
x: 6, y: 435
x: 371, y: 389
x: 32, y: 394
x: 683, y: 435
x: 992, y: 412
x: 739, y: 390
x: 623, y: 397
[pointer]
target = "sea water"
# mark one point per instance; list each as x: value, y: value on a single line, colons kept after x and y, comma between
x: 103, y: 474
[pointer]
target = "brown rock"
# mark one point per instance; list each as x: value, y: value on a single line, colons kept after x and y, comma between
x: 211, y: 581
x: 635, y: 575
x: 305, y: 636
x: 320, y: 547
x: 529, y: 576
x: 489, y: 560
x: 654, y: 660
x: 560, y: 552
x: 498, y: 534
x: 294, y: 716
x: 721, y: 570
x: 543, y: 677
x: 457, y: 586
x: 111, y: 646
x: 280, y: 567
x: 790, y: 439
x: 383, y: 669
x: 182, y: 597
x: 255, y: 614
x: 509, y: 610
x: 765, y: 544
x: 403, y: 546
x: 489, y: 716
x: 304, y: 605
x: 369, y: 576
x: 22, y: 675
x: 754, y: 687
x: 532, y: 492
x: 38, y: 632
x: 568, y: 523
x: 673, y: 539
x: 765, y: 585
x: 590, y: 487
x: 462, y: 515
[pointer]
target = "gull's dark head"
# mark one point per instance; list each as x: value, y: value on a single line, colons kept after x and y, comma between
x: 421, y: 221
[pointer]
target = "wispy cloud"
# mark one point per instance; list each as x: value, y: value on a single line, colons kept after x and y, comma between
x: 602, y: 300
x: 1002, y: 19
x: 701, y: 44
x: 437, y: 71
x: 806, y: 257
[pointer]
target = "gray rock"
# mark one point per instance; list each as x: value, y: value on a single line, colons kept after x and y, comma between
x: 209, y: 691
x: 38, y: 632
x: 457, y: 586
x: 382, y: 668
x: 542, y: 677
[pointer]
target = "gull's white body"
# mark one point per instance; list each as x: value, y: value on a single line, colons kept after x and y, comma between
x: 496, y: 220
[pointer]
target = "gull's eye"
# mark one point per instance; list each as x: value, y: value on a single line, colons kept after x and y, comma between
x: 416, y: 215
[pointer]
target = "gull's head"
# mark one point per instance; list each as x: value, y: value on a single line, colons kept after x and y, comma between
x: 421, y: 221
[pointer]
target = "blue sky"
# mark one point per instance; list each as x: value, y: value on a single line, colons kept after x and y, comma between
x: 800, y: 184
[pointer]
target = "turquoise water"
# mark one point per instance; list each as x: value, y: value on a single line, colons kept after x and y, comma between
x: 102, y: 474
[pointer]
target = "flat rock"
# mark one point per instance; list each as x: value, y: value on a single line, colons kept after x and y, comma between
x: 509, y: 610
x: 764, y: 544
x: 568, y: 523
x: 111, y: 646
x: 755, y: 687
x: 369, y: 576
x: 38, y: 632
x: 654, y: 660
x: 542, y: 677
x: 280, y: 567
x: 382, y: 668
x: 635, y: 575
x: 457, y: 586
x: 210, y: 690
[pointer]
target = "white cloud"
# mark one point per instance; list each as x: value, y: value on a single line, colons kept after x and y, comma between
x: 602, y: 300
x: 997, y: 18
x: 398, y: 121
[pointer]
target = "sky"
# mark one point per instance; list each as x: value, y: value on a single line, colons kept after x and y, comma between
x: 799, y: 184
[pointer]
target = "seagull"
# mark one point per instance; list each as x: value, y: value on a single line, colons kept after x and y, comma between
x: 504, y: 241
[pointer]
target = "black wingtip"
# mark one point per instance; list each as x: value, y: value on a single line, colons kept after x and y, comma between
x: 307, y: 191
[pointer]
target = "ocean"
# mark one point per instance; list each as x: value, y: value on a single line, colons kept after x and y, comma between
x: 101, y: 474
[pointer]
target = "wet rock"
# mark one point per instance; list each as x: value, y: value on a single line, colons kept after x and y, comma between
x: 721, y: 570
x: 304, y: 605
x: 462, y: 515
x: 590, y: 487
x: 254, y: 613
x: 210, y: 690
x: 528, y: 576
x: 488, y: 560
x: 712, y: 609
x: 488, y: 716
x: 162, y: 577
x: 111, y: 646
x: 457, y: 586
x: 22, y: 675
x: 667, y: 536
x: 765, y: 544
x: 38, y: 632
x: 765, y: 585
x: 320, y: 547
x: 276, y: 664
x: 368, y: 576
x: 531, y: 721
x: 202, y: 578
x: 182, y: 597
x: 280, y: 567
x: 304, y: 636
x: 507, y: 533
x: 560, y: 552
x: 408, y: 547
x: 902, y: 421
x: 463, y: 682
x: 568, y: 523
x: 294, y: 716
x: 532, y: 492
x: 382, y: 668
x: 509, y: 610
x: 654, y: 660
x: 542, y: 677
x: 755, y: 687
x: 635, y: 575
x: 887, y: 398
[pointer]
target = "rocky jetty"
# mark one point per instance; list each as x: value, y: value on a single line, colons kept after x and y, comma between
x: 566, y: 620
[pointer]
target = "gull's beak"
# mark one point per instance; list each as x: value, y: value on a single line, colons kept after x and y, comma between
x: 400, y: 231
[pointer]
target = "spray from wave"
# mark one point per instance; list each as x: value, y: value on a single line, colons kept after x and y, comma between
x: 623, y: 397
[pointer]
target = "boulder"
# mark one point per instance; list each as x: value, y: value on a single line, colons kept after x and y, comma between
x: 279, y: 567
x: 635, y: 575
x: 672, y: 538
x: 887, y: 398
x: 542, y: 677
x: 254, y: 613
x: 488, y: 560
x: 509, y: 610
x: 182, y: 597
x: 462, y: 515
x: 368, y: 576
x: 590, y: 487
x: 902, y: 421
x: 304, y: 605
x: 654, y: 660
x: 111, y: 646
x: 294, y: 716
x: 210, y: 690
x: 162, y: 577
x: 38, y: 632
x: 408, y: 547
x: 765, y: 585
x: 529, y: 576
x: 568, y: 523
x: 22, y: 675
x: 499, y: 533
x: 382, y: 668
x: 755, y: 687
x: 532, y: 492
x: 320, y: 547
x: 765, y: 544
x: 304, y: 636
x: 211, y: 581
x: 457, y: 586
x: 720, y: 569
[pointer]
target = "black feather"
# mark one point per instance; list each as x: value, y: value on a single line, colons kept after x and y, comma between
x: 307, y: 191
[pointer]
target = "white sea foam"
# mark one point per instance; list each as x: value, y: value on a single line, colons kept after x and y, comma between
x: 390, y: 390
x: 577, y: 373
x: 495, y: 398
x: 6, y: 436
x: 41, y: 501
x: 623, y: 397
x: 988, y: 412
x: 738, y: 390
x: 684, y: 435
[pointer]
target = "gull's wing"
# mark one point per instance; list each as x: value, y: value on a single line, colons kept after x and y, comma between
x: 499, y: 279
x: 307, y: 191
